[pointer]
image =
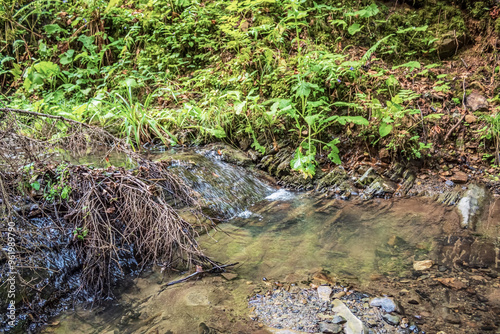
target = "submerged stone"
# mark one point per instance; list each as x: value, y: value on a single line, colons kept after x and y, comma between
x: 391, y: 319
x: 423, y: 265
x: 387, y: 304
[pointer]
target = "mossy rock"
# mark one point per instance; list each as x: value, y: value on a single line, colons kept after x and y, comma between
x: 229, y: 154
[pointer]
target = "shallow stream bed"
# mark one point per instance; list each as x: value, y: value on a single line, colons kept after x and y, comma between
x: 291, y: 241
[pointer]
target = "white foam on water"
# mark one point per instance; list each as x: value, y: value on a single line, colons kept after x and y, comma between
x: 280, y: 195
x: 245, y: 214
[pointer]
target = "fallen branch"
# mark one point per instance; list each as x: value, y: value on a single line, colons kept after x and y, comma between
x: 33, y: 113
x: 197, y: 273
x: 453, y: 128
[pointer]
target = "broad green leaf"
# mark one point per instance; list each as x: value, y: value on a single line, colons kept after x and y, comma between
x: 354, y: 28
x: 303, y: 88
x: 67, y: 57
x: 371, y: 10
x: 47, y: 68
x: 384, y: 129
x: 53, y: 29
x: 217, y: 132
x: 310, y: 120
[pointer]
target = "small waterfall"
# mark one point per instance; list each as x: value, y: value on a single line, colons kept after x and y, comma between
x: 226, y: 188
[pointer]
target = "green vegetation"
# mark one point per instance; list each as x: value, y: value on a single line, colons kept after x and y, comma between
x: 186, y: 71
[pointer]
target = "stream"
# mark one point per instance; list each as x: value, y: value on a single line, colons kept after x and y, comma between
x: 288, y: 244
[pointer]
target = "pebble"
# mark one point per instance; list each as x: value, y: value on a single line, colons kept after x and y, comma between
x: 326, y: 327
x: 324, y: 292
x: 391, y: 319
x: 423, y: 265
x: 338, y: 319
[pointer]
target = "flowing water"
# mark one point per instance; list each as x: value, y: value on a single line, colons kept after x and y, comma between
x: 279, y: 237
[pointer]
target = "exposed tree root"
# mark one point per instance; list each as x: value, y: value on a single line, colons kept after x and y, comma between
x: 110, y: 216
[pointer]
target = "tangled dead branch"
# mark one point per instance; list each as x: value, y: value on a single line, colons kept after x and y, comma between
x: 111, y: 217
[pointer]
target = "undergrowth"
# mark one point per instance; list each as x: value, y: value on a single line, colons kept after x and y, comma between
x: 184, y: 72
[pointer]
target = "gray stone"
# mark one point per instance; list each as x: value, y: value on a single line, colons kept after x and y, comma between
x: 324, y: 292
x: 448, y: 44
x: 353, y: 325
x: 326, y: 327
x: 476, y: 102
x: 391, y: 319
x: 387, y: 304
x: 368, y: 177
x: 338, y: 320
x: 470, y: 205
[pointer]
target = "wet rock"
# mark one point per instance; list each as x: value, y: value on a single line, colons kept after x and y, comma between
x: 459, y: 177
x: 353, y: 324
x: 470, y: 205
x: 228, y: 154
x: 338, y: 320
x: 368, y: 177
x: 204, y: 329
x: 387, y: 304
x: 413, y: 298
x: 448, y: 44
x: 442, y: 269
x: 229, y: 276
x: 324, y: 292
x: 469, y: 251
x: 253, y: 155
x: 423, y: 265
x: 391, y: 319
x: 326, y: 327
x: 476, y: 101
x: 338, y: 295
x: 452, y: 319
x: 452, y: 282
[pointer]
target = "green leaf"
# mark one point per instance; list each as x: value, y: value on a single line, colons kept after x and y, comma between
x: 334, y: 153
x: 359, y: 120
x: 35, y: 185
x: 53, y: 29
x: 305, y: 164
x: 303, y: 88
x: 217, y: 132
x: 354, y: 28
x: 384, y: 129
x: 238, y: 108
x: 47, y: 68
x: 412, y: 65
x: 371, y: 10
x: 339, y: 23
x: 310, y: 120
x: 67, y: 57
